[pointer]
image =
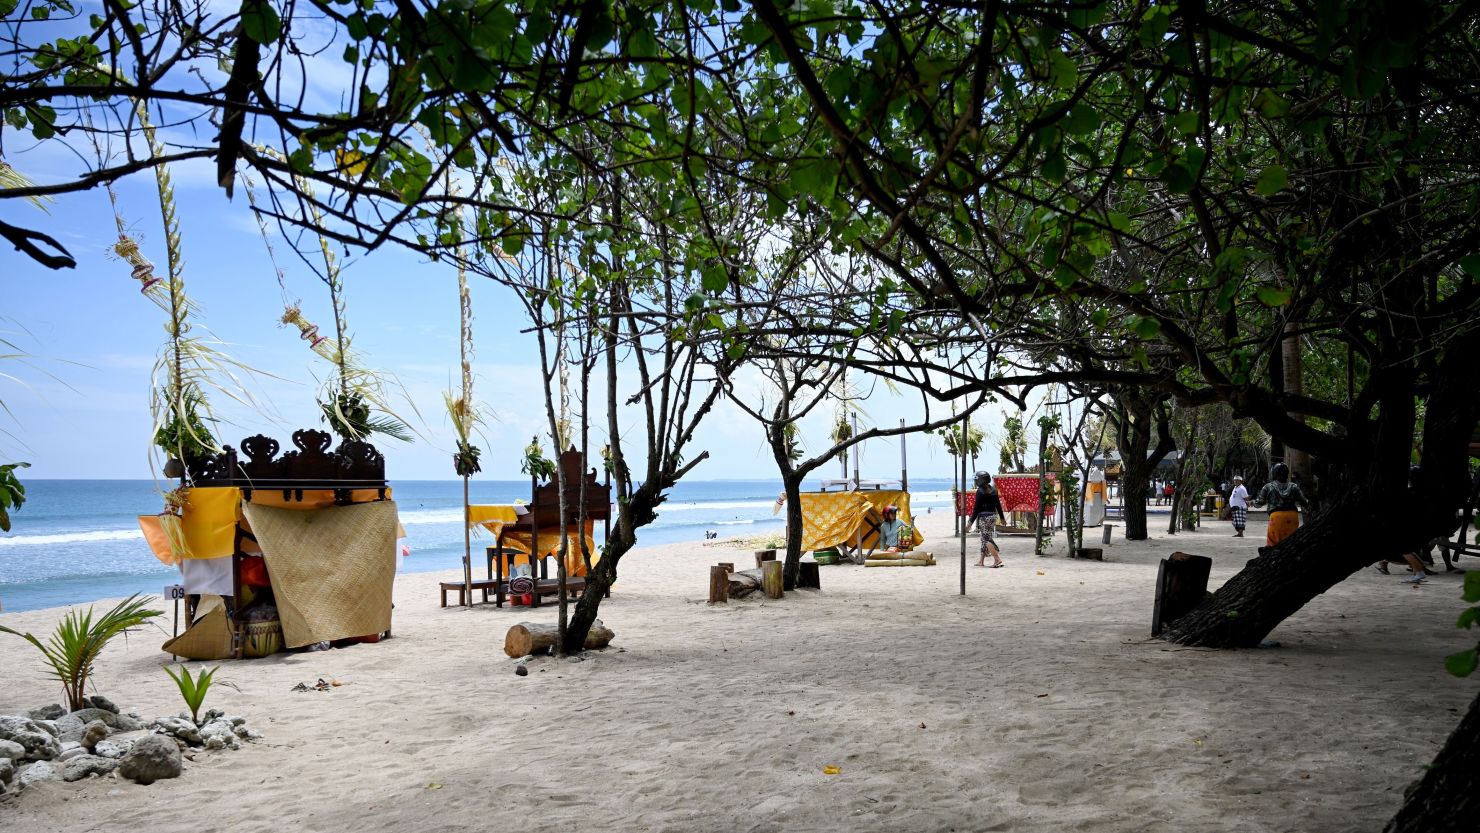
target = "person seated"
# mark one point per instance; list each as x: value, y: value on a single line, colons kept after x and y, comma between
x: 890, y: 529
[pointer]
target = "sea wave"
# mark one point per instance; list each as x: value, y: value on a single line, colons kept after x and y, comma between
x: 71, y: 537
x: 731, y: 523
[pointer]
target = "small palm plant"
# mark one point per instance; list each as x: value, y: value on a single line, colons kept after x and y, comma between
x: 80, y: 638
x: 193, y: 689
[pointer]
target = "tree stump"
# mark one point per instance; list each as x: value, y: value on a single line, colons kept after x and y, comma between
x: 744, y: 582
x: 728, y: 565
x: 1090, y: 553
x: 1181, y: 584
x: 771, y: 579
x: 810, y: 576
x: 719, y: 584
x: 762, y: 556
x: 528, y: 638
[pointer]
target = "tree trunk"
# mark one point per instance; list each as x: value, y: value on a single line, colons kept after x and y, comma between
x: 792, y: 482
x: 1290, y: 371
x: 1447, y: 798
x: 1135, y: 415
x: 1376, y: 517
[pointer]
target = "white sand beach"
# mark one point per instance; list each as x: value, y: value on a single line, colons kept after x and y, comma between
x: 1034, y: 703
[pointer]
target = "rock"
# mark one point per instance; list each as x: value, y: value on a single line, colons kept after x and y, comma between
x: 11, y: 751
x: 7, y: 771
x: 179, y: 727
x: 98, y: 701
x: 35, y: 774
x: 52, y: 712
x: 71, y: 754
x: 92, y: 733
x: 112, y: 748
x: 72, y: 725
x: 219, y: 734
x: 152, y: 758
x: 50, y: 727
x: 38, y: 744
x: 79, y: 768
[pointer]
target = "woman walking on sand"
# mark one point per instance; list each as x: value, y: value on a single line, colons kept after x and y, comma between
x: 1238, y: 506
x: 1285, y: 500
x: 987, y: 505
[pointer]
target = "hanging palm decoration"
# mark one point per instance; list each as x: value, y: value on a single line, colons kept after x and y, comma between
x: 188, y: 364
x: 460, y: 408
x: 353, y: 401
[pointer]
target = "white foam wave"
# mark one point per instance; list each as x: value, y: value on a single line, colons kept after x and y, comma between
x: 732, y: 523
x: 71, y: 537
x: 718, y: 504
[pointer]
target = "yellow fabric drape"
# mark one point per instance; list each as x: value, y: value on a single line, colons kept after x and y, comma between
x: 495, y: 518
x: 205, y: 527
x: 833, y: 518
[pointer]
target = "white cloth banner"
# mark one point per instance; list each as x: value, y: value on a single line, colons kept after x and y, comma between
x: 207, y: 575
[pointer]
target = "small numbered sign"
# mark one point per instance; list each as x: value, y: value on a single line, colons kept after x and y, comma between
x: 174, y: 591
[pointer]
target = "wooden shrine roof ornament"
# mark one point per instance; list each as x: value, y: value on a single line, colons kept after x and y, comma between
x: 353, y: 465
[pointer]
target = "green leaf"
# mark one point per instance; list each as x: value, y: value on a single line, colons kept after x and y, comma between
x: 1471, y: 265
x: 260, y: 21
x: 40, y: 13
x: 1145, y: 328
x: 351, y: 54
x: 1272, y: 180
x: 1463, y: 663
x: 1468, y: 618
x: 1272, y: 297
x: 1472, y: 586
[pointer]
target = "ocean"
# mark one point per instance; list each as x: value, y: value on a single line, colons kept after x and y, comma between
x: 76, y: 541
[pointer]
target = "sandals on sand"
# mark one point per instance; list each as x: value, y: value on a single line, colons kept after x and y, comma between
x: 998, y: 564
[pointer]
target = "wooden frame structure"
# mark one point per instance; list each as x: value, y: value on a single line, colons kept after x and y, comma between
x: 312, y: 467
x: 544, y: 512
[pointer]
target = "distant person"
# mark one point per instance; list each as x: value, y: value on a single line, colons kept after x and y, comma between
x: 1167, y: 491
x: 890, y: 529
x: 1238, y: 506
x: 1285, y: 501
x: 987, y: 505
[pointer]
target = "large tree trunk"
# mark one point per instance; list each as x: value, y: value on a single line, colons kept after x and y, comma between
x: 1447, y: 798
x: 1135, y: 415
x: 1375, y: 518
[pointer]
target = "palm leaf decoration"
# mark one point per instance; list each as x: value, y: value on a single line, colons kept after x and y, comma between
x: 80, y: 638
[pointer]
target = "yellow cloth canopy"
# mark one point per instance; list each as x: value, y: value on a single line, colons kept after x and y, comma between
x: 206, y: 525
x: 833, y: 518
x: 494, y: 518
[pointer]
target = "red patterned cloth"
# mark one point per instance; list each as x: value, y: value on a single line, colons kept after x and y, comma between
x: 1017, y: 493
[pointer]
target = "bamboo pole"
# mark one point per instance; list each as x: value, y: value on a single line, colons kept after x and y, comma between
x: 965, y: 428
x: 467, y: 548
x: 904, y: 466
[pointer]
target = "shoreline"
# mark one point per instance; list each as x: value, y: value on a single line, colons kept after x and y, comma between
x: 1034, y: 703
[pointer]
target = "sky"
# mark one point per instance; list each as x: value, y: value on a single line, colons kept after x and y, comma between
x: 80, y: 407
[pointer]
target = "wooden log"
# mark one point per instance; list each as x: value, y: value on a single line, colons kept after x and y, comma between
x: 1181, y: 584
x: 810, y: 576
x: 1090, y: 553
x: 728, y: 565
x: 762, y: 556
x: 528, y: 638
x: 719, y: 584
x: 771, y: 580
x: 744, y: 582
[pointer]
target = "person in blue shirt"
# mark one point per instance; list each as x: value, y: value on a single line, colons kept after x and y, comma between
x: 890, y: 529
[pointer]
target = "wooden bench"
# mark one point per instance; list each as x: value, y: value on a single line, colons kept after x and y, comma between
x: 484, y: 585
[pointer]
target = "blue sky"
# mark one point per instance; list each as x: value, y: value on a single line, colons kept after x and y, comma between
x: 92, y: 329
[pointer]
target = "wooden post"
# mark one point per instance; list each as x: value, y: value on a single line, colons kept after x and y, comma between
x: 762, y: 556
x: 810, y: 575
x: 1105, y: 530
x: 1181, y: 583
x: 719, y: 584
x: 728, y: 565
x: 771, y: 579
